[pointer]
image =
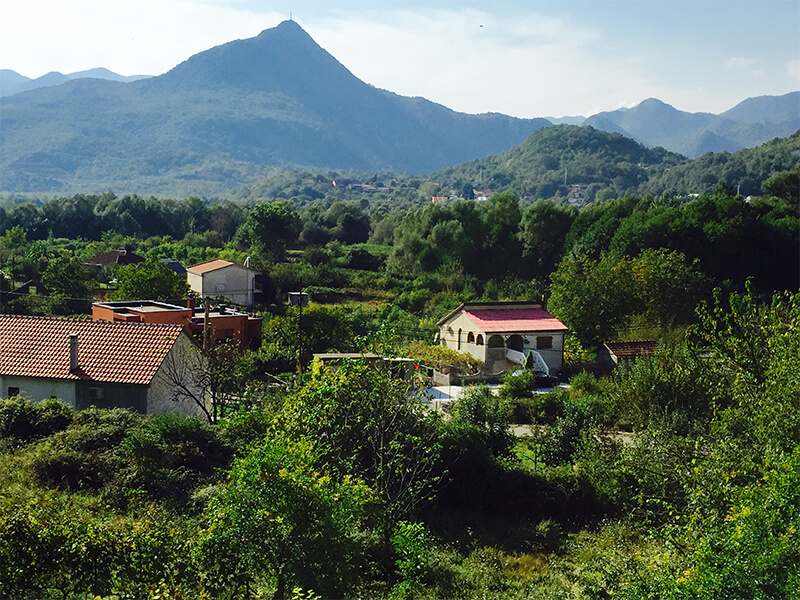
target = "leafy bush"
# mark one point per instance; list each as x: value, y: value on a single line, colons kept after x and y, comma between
x: 22, y: 420
x: 518, y: 386
x: 85, y: 454
x: 440, y: 357
x: 479, y: 408
x: 170, y: 455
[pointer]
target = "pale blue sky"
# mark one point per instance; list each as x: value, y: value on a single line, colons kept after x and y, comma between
x: 526, y: 58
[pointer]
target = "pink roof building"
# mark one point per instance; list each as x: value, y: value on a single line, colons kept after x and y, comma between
x: 503, y: 333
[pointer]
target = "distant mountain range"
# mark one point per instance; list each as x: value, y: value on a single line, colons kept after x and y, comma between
x: 12, y: 82
x: 231, y: 114
x: 749, y: 123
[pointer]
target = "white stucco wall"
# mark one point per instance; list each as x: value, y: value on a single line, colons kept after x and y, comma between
x: 163, y: 394
x: 233, y: 282
x: 39, y: 389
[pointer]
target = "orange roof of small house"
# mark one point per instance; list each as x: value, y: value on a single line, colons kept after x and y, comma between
x: 128, y: 353
x: 211, y: 265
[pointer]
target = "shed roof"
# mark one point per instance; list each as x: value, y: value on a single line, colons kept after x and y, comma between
x: 628, y: 350
x: 128, y: 353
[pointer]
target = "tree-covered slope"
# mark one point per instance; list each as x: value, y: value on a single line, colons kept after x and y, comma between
x: 554, y: 160
x: 565, y: 155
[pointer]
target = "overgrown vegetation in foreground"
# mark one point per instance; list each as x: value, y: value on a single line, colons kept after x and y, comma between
x: 347, y: 487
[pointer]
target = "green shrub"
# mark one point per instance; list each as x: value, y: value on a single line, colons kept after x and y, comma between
x: 22, y: 420
x: 170, y: 456
x: 85, y: 454
x: 518, y: 386
x: 477, y: 407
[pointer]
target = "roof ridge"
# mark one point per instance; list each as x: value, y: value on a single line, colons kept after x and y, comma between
x: 96, y: 323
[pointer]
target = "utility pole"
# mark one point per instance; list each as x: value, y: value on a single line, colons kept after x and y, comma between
x: 300, y: 335
x: 206, y: 326
x: 299, y: 299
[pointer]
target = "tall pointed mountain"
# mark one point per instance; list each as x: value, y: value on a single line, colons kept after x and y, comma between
x: 226, y: 115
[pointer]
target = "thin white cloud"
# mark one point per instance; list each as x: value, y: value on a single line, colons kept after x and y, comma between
x: 739, y: 62
x: 146, y: 36
x: 475, y: 62
x: 793, y: 69
x: 521, y: 58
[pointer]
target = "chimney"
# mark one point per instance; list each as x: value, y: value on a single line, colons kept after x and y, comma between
x: 190, y: 303
x: 73, y: 351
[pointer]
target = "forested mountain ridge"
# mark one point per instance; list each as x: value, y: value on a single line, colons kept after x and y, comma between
x: 224, y: 117
x: 554, y: 160
x: 232, y: 114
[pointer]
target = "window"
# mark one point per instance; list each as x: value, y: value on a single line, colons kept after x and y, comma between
x: 470, y: 338
x: 95, y: 393
x: 543, y: 342
x: 479, y: 341
x: 13, y: 391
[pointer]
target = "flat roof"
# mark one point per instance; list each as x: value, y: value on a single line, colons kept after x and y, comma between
x: 140, y: 305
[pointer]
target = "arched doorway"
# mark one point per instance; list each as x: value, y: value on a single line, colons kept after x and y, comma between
x: 495, y: 341
x: 515, y: 342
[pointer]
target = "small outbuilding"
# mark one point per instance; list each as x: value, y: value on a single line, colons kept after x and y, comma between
x: 611, y: 354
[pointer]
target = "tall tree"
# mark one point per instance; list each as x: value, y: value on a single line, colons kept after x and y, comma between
x: 150, y: 280
x: 269, y: 229
x: 278, y: 518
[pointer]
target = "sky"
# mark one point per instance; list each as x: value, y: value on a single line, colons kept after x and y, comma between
x: 526, y: 58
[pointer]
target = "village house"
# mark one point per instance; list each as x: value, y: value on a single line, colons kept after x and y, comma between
x: 503, y: 334
x: 95, y: 363
x: 105, y: 260
x: 221, y: 280
x: 224, y: 323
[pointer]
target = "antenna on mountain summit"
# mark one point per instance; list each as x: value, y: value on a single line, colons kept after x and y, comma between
x: 290, y: 15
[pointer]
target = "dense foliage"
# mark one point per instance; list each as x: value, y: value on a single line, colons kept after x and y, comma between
x: 675, y: 476
x: 353, y: 489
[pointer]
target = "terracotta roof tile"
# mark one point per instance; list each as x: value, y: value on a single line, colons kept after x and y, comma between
x: 491, y: 320
x: 128, y: 353
x: 212, y: 265
x: 628, y: 350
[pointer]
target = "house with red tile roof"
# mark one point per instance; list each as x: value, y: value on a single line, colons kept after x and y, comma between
x: 221, y: 279
x: 502, y: 334
x: 95, y: 363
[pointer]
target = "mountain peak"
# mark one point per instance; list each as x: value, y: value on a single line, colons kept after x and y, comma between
x: 278, y: 57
